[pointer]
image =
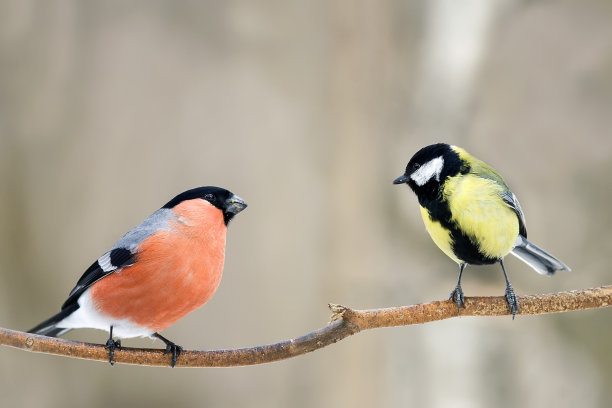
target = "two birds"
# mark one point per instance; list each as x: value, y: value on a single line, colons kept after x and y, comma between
x: 171, y: 264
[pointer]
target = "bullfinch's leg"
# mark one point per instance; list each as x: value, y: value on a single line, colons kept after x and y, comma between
x: 510, y: 295
x: 457, y: 294
x: 170, y: 347
x: 111, y: 345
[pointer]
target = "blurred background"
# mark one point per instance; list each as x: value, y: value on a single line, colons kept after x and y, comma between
x: 308, y: 110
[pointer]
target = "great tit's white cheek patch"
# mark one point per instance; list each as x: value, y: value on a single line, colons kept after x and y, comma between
x: 432, y: 168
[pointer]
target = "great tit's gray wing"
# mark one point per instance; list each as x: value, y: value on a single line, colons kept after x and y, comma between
x: 512, y: 202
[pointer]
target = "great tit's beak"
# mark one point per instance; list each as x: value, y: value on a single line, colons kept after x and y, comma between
x: 235, y: 204
x: 401, y: 179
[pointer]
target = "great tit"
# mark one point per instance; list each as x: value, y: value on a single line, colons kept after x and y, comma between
x: 471, y: 214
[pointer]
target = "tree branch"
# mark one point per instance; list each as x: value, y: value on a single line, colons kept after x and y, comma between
x: 345, y: 322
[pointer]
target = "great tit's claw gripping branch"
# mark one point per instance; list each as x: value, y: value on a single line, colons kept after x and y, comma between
x: 512, y: 301
x: 345, y: 322
x: 458, y: 297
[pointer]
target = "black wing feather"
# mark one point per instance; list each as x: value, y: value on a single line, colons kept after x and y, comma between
x: 48, y: 328
x: 105, y: 265
x: 118, y: 258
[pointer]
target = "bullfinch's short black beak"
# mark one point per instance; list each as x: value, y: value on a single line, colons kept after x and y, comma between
x: 235, y: 204
x: 401, y: 179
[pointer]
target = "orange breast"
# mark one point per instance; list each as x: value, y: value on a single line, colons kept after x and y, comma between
x: 176, y: 271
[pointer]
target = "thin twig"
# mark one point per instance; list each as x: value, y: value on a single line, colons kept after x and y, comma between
x: 345, y: 322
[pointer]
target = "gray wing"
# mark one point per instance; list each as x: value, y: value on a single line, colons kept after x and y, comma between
x: 512, y: 202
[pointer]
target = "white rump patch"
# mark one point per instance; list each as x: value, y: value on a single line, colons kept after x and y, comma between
x: 432, y: 168
x: 88, y: 316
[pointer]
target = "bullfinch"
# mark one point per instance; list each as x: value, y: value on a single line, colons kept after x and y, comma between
x: 163, y: 269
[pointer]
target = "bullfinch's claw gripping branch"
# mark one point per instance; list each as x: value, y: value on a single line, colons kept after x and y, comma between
x: 346, y: 322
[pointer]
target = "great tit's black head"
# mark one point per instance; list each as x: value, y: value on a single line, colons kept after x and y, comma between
x: 429, y: 167
x: 229, y: 203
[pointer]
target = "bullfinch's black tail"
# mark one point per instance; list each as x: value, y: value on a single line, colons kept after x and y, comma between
x: 49, y: 326
x: 534, y: 256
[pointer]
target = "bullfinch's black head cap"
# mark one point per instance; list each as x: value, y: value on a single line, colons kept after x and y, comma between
x: 229, y: 203
x: 428, y: 169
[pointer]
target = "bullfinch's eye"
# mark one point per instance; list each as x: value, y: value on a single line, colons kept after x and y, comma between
x: 209, y: 197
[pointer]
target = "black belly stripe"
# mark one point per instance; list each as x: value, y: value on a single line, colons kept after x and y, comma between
x: 463, y: 245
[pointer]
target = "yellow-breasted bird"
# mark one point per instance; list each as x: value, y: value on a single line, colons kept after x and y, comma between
x: 471, y: 214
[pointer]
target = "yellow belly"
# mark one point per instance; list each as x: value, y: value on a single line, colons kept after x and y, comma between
x: 440, y: 235
x: 477, y: 210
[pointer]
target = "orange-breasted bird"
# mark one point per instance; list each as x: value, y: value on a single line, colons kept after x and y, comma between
x: 161, y: 270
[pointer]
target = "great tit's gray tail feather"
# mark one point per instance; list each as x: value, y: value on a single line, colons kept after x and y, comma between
x: 540, y: 260
x: 49, y: 326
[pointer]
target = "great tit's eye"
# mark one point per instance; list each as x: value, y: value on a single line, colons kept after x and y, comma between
x: 416, y: 166
x: 209, y: 197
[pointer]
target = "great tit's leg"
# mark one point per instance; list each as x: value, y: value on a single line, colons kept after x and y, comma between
x: 111, y: 345
x: 170, y: 347
x: 457, y: 294
x: 510, y: 295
